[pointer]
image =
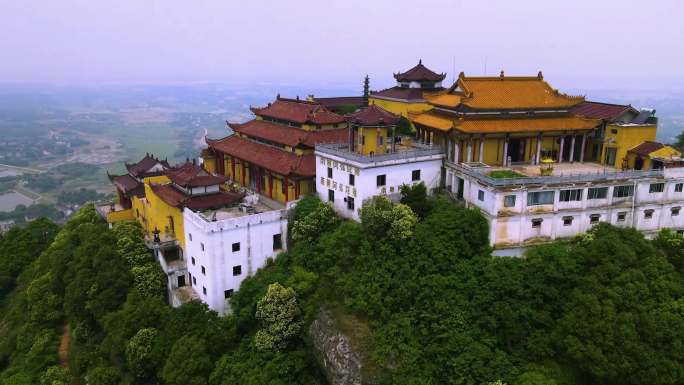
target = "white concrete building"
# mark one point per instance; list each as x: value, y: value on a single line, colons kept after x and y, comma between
x: 532, y: 209
x: 347, y: 179
x: 225, y: 246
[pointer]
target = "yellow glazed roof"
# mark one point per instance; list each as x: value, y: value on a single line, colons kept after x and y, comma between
x: 505, y: 92
x: 665, y: 153
x: 486, y: 126
x: 433, y: 121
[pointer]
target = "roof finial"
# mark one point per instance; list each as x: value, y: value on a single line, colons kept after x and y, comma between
x: 461, y: 75
x: 278, y: 96
x: 540, y: 76
x: 420, y: 61
x: 501, y: 75
x: 297, y: 97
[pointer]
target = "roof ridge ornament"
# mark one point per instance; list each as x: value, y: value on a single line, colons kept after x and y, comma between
x: 540, y: 76
x: 501, y: 75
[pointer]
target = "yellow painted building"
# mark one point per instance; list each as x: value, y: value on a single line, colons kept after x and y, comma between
x: 651, y: 155
x: 620, y: 138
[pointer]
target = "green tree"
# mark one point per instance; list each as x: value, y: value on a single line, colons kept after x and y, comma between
x: 149, y: 280
x: 415, y: 197
x: 279, y: 316
x: 382, y: 218
x: 140, y: 357
x: 309, y: 227
x: 188, y: 362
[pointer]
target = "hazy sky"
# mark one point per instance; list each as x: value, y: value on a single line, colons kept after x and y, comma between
x: 577, y: 44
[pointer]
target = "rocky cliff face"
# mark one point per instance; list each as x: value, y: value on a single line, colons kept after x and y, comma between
x: 341, y: 363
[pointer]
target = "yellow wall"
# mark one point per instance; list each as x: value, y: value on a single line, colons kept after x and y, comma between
x: 157, y: 213
x: 399, y: 108
x: 210, y: 164
x: 371, y: 143
x: 624, y: 138
x: 664, y: 153
x: 122, y: 215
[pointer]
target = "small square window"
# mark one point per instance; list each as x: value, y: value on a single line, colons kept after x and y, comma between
x: 202, y: 246
x: 656, y: 188
x: 594, y: 218
x: 679, y: 187
x: 675, y: 211
x: 204, y: 290
x: 227, y: 293
x: 193, y: 260
x: 567, y: 221
x: 509, y: 201
x: 329, y: 172
x: 613, y: 131
x: 480, y: 195
x: 621, y: 216
x: 237, y: 270
x: 190, y: 236
x: 381, y: 180
x: 536, y: 223
x: 204, y: 271
x: 350, y: 203
x: 331, y: 195
x: 648, y: 214
x: 236, y: 246
x: 415, y: 175
x: 352, y: 179
x: 277, y: 242
x: 194, y: 281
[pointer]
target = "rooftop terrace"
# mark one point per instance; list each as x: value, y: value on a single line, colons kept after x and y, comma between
x: 252, y: 204
x: 562, y: 173
x: 402, y: 152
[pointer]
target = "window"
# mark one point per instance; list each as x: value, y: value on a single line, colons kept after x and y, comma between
x: 656, y: 188
x: 540, y: 198
x: 204, y: 290
x: 567, y: 221
x: 536, y: 223
x: 594, y: 218
x: 352, y: 179
x: 381, y: 180
x: 648, y: 214
x: 190, y: 278
x: 237, y: 270
x: 350, y: 203
x: 509, y: 201
x: 194, y: 281
x: 204, y: 271
x: 202, y: 246
x: 597, y: 193
x: 570, y: 195
x: 415, y: 175
x: 679, y: 187
x: 329, y: 172
x: 362, y: 140
x: 380, y: 140
x: 227, y: 293
x: 613, y: 131
x: 623, y: 191
x: 331, y: 195
x: 621, y: 216
x: 190, y: 236
x: 277, y: 241
x: 236, y: 246
x: 675, y: 211
x: 480, y: 195
x: 193, y: 261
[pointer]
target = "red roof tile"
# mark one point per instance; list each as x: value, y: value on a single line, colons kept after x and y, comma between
x: 605, y: 111
x: 142, y: 167
x: 419, y: 73
x: 192, y: 175
x: 337, y: 102
x: 176, y: 198
x: 646, y: 148
x: 270, y: 158
x: 298, y: 111
x: 128, y: 185
x: 289, y: 136
x: 373, y: 116
x: 404, y: 93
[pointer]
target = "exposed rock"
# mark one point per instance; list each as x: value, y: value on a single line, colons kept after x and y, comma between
x: 341, y: 363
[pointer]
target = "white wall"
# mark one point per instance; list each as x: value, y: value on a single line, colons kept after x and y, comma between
x: 365, y: 186
x: 254, y: 233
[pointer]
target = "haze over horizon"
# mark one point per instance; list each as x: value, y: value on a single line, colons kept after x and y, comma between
x: 578, y: 45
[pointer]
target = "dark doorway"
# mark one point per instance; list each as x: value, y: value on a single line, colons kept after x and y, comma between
x: 516, y: 149
x: 459, y: 188
x: 638, y: 163
x: 181, y: 280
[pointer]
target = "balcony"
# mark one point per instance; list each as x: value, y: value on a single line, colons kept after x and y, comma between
x: 114, y: 212
x: 563, y: 173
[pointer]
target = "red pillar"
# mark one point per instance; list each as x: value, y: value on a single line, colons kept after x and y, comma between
x: 296, y: 189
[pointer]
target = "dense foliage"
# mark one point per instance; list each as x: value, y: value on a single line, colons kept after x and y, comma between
x: 604, y: 308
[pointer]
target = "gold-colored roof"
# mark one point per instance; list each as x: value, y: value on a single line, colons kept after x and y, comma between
x: 506, y: 92
x: 511, y: 125
x: 434, y: 121
x: 448, y: 100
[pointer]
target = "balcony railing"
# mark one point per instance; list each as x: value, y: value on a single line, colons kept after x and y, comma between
x: 479, y: 174
x: 342, y: 150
